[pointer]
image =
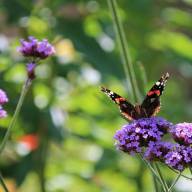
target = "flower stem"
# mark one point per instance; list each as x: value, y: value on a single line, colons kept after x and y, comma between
x: 161, y: 177
x: 3, y: 184
x: 179, y: 173
x: 16, y: 113
x: 154, y: 174
x: 155, y: 183
x: 190, y: 170
x: 174, y: 182
x: 127, y: 62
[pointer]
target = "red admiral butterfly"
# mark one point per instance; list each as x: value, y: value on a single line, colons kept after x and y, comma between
x: 150, y: 105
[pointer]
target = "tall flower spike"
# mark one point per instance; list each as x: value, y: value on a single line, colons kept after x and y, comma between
x: 132, y: 137
x: 182, y: 133
x: 36, y: 49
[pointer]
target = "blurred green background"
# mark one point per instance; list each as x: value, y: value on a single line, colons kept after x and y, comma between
x: 73, y: 121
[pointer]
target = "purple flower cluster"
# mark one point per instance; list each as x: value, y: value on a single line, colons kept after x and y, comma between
x: 156, y: 151
x: 145, y: 136
x: 3, y: 100
x: 182, y: 133
x: 132, y: 137
x: 179, y: 157
x: 36, y: 49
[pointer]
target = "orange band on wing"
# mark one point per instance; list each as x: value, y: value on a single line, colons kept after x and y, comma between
x: 157, y: 92
x: 119, y: 99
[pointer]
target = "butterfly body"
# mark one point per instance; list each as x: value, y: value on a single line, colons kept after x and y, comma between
x: 150, y: 105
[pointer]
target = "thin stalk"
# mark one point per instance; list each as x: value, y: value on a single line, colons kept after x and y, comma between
x: 16, y: 113
x: 3, y: 184
x: 161, y: 177
x: 155, y: 175
x: 190, y: 170
x: 127, y: 62
x: 155, y: 183
x: 179, y: 173
x: 174, y: 182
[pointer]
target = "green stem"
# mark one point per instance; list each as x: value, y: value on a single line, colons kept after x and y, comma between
x: 179, y: 173
x: 155, y: 183
x: 161, y: 177
x: 3, y: 184
x: 174, y: 182
x: 190, y: 170
x: 127, y: 62
x: 16, y: 113
x: 155, y: 175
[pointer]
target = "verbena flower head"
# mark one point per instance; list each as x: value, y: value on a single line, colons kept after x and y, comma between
x: 36, y: 49
x: 182, y: 133
x: 156, y: 151
x: 132, y: 137
x: 3, y: 100
x: 179, y: 157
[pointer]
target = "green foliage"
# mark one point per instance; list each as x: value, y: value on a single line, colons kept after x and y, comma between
x: 65, y: 108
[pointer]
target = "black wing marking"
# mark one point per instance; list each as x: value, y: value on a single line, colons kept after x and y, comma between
x: 127, y: 109
x: 151, y: 103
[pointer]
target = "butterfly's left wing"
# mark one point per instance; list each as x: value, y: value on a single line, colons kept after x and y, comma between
x: 126, y: 108
x: 151, y: 103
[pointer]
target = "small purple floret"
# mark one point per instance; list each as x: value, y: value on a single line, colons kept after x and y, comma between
x: 132, y: 137
x: 31, y: 70
x: 36, y: 49
x: 182, y: 133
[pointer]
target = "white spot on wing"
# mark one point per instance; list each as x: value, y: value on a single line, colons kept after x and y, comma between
x: 157, y: 83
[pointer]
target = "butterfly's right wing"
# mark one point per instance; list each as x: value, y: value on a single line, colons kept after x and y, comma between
x: 151, y: 103
x: 127, y: 109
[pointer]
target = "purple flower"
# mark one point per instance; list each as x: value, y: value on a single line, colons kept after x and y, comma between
x: 3, y: 113
x: 3, y: 97
x: 182, y: 133
x: 156, y: 151
x: 3, y: 100
x: 132, y: 137
x: 179, y: 157
x: 36, y: 49
x: 31, y: 70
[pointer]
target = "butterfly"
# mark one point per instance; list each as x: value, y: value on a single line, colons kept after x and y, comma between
x: 148, y: 108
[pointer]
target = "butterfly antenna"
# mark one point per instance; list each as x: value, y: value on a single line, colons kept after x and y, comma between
x: 105, y: 90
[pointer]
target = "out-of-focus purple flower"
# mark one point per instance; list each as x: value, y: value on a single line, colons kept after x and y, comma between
x: 31, y: 70
x: 182, y: 133
x: 179, y: 157
x: 36, y: 49
x: 3, y: 97
x: 156, y: 151
x: 3, y: 113
x: 132, y: 137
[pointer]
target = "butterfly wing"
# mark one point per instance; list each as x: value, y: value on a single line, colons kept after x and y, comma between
x: 127, y: 109
x: 151, y: 103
